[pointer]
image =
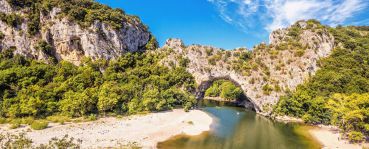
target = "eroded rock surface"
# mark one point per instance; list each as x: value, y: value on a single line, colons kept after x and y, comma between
x: 71, y: 41
x: 264, y: 74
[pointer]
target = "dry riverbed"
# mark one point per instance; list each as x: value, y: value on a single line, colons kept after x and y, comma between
x: 146, y: 130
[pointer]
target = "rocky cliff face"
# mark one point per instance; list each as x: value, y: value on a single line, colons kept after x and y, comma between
x: 69, y: 40
x: 264, y: 73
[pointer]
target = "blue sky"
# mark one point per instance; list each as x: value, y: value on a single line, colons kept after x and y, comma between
x: 236, y: 23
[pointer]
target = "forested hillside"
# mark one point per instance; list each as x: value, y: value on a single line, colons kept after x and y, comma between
x: 131, y: 84
x: 338, y: 93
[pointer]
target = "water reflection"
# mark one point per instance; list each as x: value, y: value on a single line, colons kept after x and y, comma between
x: 236, y: 128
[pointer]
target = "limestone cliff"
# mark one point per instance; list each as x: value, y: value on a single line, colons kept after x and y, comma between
x: 264, y: 73
x: 71, y: 41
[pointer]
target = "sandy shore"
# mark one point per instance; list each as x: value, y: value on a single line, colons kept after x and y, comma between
x: 329, y: 137
x: 288, y: 119
x: 146, y: 130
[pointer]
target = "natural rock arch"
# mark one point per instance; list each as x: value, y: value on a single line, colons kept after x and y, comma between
x: 278, y: 70
x: 203, y: 86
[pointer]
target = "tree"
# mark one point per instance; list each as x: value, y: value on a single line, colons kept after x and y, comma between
x: 44, y: 47
x: 76, y: 104
x: 133, y: 83
x: 229, y: 91
x: 213, y: 91
x: 225, y: 89
x: 150, y: 100
x: 152, y: 44
x: 109, y: 96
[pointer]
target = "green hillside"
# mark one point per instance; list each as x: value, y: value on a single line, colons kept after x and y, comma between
x: 338, y: 93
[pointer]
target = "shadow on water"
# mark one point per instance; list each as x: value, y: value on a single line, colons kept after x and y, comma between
x: 237, y: 128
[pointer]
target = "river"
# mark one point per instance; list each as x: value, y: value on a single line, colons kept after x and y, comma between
x: 238, y: 128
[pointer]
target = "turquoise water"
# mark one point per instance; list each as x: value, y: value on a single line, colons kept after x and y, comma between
x: 237, y: 128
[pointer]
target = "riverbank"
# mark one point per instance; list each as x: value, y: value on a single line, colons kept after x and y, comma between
x: 329, y: 137
x: 287, y: 119
x: 146, y: 130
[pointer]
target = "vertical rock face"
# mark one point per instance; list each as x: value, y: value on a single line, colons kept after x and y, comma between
x: 267, y: 73
x: 71, y: 41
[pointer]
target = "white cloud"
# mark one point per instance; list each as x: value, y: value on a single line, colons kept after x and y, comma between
x: 273, y: 14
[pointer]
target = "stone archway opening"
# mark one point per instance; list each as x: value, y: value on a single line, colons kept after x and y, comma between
x: 242, y: 100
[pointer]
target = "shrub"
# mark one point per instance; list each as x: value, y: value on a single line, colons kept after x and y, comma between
x: 245, y: 55
x: 267, y: 89
x: 28, y: 120
x: 39, y: 125
x: 183, y: 62
x: 2, y: 36
x: 209, y: 51
x: 15, y: 125
x: 33, y: 22
x: 2, y: 120
x: 282, y: 46
x: 227, y: 55
x: 10, y: 141
x: 92, y: 117
x: 152, y: 44
x: 277, y: 88
x: 62, y: 143
x: 12, y: 19
x: 58, y: 119
x: 21, y: 141
x: 355, y: 136
x: 20, y: 3
x: 252, y: 81
x: 299, y: 53
x: 212, y: 61
x: 130, y: 145
x: 294, y: 31
x: 44, y: 47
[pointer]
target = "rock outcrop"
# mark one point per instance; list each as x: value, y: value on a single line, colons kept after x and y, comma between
x: 70, y: 41
x: 266, y: 73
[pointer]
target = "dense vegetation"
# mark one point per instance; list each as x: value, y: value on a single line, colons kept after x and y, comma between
x: 133, y: 83
x: 338, y: 93
x: 224, y: 89
x: 12, y: 19
x: 84, y: 12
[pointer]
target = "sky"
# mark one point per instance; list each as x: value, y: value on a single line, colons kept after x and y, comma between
x: 231, y: 24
